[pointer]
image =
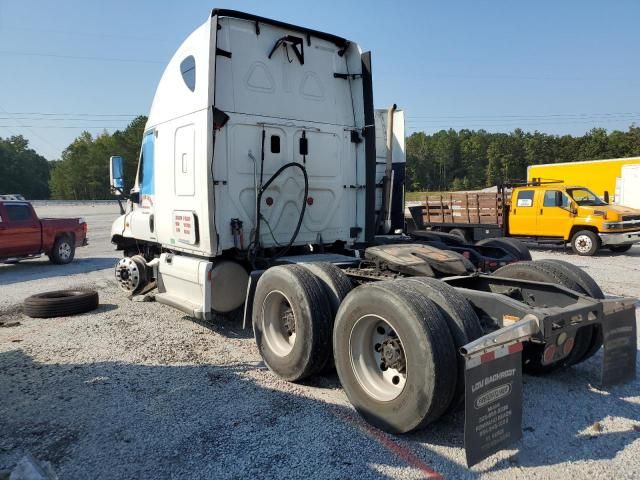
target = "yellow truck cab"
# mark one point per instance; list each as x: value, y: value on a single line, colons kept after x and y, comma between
x: 574, y: 214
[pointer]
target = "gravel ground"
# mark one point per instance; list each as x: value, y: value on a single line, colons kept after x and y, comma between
x: 139, y: 390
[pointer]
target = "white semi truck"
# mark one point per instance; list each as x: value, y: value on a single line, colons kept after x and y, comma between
x: 261, y: 183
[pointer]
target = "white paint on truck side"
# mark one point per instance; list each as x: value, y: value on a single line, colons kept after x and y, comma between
x: 215, y: 175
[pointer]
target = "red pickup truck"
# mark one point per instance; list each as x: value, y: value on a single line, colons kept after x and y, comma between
x: 24, y: 235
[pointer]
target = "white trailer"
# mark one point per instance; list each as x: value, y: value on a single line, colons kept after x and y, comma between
x: 266, y: 178
x: 628, y: 186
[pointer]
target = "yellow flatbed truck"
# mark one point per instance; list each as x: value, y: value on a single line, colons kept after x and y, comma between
x: 599, y: 175
x: 539, y: 212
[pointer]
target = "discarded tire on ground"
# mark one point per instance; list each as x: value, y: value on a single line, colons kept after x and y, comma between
x: 292, y: 322
x: 60, y: 303
x: 395, y: 356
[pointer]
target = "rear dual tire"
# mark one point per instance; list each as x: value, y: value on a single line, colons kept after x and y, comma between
x: 395, y: 322
x: 587, y: 340
x: 293, y: 315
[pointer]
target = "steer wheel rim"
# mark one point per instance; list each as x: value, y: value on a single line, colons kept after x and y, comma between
x: 128, y: 274
x: 378, y: 358
x: 64, y: 251
x: 278, y: 323
x: 583, y: 243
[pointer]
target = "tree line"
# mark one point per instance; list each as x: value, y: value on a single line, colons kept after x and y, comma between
x: 445, y: 160
x: 83, y: 171
x: 470, y: 159
x: 22, y: 170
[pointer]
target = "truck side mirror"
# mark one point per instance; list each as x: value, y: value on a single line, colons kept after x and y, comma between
x: 606, y: 196
x: 116, y: 174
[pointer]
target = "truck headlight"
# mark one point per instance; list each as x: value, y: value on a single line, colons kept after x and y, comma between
x: 612, y: 225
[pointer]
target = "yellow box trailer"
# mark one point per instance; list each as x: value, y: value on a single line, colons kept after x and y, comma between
x: 599, y: 176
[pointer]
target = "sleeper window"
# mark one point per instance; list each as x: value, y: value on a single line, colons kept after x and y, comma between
x: 188, y: 70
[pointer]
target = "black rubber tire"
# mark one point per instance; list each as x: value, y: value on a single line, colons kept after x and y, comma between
x: 587, y: 284
x: 461, y: 233
x: 446, y: 238
x: 544, y: 272
x: 511, y: 245
x: 590, y: 288
x: 428, y: 348
x: 336, y: 286
x: 313, y: 322
x: 54, y: 255
x: 619, y: 248
x: 335, y: 282
x: 60, y: 303
x: 464, y: 325
x: 595, y: 243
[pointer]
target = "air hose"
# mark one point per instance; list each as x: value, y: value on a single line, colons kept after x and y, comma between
x: 286, y: 248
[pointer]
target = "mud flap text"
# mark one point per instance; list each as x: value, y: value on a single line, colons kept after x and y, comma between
x: 493, y: 402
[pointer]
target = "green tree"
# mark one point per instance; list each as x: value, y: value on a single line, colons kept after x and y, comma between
x: 22, y: 170
x: 83, y: 171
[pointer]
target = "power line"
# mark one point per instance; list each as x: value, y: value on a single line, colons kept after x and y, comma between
x: 547, y: 115
x: 32, y: 131
x: 77, y: 114
x: 68, y: 119
x: 76, y: 57
x: 58, y: 126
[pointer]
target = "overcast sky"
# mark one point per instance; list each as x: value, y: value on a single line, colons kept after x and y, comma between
x: 556, y: 67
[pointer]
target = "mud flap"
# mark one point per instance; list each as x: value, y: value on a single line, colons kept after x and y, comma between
x: 254, y: 276
x: 493, y: 402
x: 620, y: 348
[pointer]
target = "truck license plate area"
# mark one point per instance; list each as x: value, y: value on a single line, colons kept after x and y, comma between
x: 620, y: 347
x: 493, y: 402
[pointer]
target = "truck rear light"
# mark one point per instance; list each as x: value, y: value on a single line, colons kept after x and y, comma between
x: 549, y: 353
x: 568, y: 345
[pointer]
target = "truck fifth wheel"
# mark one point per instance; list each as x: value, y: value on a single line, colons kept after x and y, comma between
x: 258, y: 186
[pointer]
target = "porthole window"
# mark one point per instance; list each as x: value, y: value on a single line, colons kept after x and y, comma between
x: 188, y: 70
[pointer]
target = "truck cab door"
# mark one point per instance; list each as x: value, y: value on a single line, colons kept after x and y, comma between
x: 522, y: 214
x: 22, y: 233
x: 554, y: 215
x: 142, y: 219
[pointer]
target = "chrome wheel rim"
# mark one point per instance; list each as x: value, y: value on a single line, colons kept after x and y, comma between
x: 278, y: 323
x: 64, y: 251
x: 377, y: 358
x: 583, y: 243
x: 128, y: 274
